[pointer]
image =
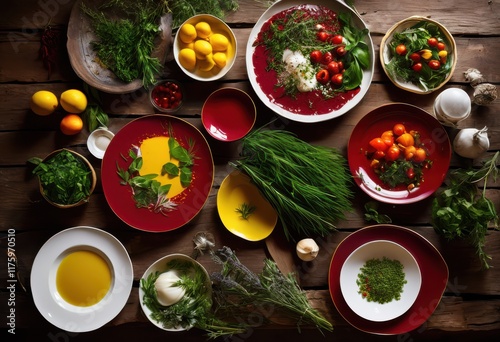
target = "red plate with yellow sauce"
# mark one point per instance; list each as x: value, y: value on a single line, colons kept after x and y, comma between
x: 185, y: 202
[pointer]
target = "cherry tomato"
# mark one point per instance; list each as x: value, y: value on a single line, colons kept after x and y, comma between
x: 378, y: 144
x: 322, y: 36
x: 401, y: 49
x: 392, y: 153
x: 379, y: 155
x: 337, y: 39
x: 388, y: 138
x: 443, y: 54
x: 432, y: 42
x: 410, y: 152
x: 340, y: 51
x: 316, y: 56
x: 441, y: 46
x: 410, y: 173
x: 327, y: 58
x: 417, y: 67
x: 167, y: 95
x: 399, y: 129
x: 415, y: 57
x: 406, y: 139
x: 337, y: 79
x: 322, y: 76
x: 333, y: 67
x: 420, y: 155
x: 341, y: 65
x: 434, y: 64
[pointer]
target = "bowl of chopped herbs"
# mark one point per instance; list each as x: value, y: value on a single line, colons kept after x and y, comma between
x: 66, y: 178
x: 418, y: 54
x: 380, y: 280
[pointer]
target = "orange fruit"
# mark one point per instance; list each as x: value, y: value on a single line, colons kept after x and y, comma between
x: 71, y: 124
x: 43, y: 102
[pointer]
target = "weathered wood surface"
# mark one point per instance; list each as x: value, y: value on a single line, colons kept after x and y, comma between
x: 470, y: 307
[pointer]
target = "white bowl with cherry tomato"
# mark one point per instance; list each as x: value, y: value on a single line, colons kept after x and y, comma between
x: 418, y: 54
x: 167, y: 96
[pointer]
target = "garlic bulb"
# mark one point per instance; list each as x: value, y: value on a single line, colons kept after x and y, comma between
x: 307, y: 249
x: 471, y: 142
x: 484, y: 93
x: 474, y: 77
x: 166, y: 293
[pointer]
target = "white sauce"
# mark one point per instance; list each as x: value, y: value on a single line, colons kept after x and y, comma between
x: 301, y: 69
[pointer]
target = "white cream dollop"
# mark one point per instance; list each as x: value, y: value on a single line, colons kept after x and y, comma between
x: 301, y: 69
x: 166, y: 293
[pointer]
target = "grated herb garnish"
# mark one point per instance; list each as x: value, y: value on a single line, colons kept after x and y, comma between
x: 381, y: 280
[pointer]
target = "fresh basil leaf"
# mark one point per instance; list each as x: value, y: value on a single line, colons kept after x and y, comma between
x: 170, y: 168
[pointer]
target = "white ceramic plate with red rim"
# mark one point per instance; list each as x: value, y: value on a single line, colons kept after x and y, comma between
x: 432, y: 266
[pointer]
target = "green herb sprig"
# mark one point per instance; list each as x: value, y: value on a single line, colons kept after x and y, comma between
x: 308, y: 185
x: 461, y: 211
x: 184, y: 9
x: 238, y: 290
x: 245, y: 210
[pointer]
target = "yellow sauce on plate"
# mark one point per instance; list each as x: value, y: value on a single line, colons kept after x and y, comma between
x: 155, y: 153
x: 83, y: 278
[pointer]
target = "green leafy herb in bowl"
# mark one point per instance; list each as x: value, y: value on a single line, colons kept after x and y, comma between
x: 66, y: 178
x: 418, y: 54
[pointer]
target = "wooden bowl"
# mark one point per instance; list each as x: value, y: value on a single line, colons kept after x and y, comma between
x: 92, y: 186
x: 385, y: 53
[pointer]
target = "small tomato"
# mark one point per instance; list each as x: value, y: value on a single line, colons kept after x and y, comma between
x: 410, y: 152
x: 434, y: 64
x: 392, y: 153
x: 337, y: 79
x: 415, y: 57
x: 401, y: 49
x: 378, y: 144
x: 379, y: 155
x: 432, y: 42
x: 322, y: 76
x: 420, y: 155
x: 340, y: 51
x: 337, y: 39
x: 327, y: 58
x: 388, y: 138
x: 441, y: 46
x: 316, y: 56
x: 333, y: 68
x: 322, y: 36
x: 417, y: 67
x: 406, y: 139
x: 410, y: 173
x: 399, y: 129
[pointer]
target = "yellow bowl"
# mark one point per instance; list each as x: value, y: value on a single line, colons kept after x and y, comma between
x: 385, y: 53
x: 235, y: 191
x: 217, y: 26
x: 92, y: 184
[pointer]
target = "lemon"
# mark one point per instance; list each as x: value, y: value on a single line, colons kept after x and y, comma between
x: 203, y: 29
x: 206, y: 64
x: 73, y: 101
x: 220, y: 59
x: 187, y: 33
x: 43, y: 102
x: 187, y: 58
x: 202, y: 48
x: 219, y: 42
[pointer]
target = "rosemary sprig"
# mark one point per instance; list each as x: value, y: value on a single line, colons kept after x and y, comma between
x: 239, y: 290
x: 308, y: 186
x: 245, y: 210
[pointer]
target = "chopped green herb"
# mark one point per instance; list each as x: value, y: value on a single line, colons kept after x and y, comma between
x: 381, y: 280
x: 245, y: 210
x: 65, y: 178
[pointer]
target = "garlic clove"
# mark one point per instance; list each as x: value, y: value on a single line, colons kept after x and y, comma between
x: 307, y: 249
x: 471, y: 143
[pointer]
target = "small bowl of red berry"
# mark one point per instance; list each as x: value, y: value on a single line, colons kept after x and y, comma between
x: 167, y: 96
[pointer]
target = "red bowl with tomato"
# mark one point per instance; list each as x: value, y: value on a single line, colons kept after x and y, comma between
x: 399, y: 154
x: 167, y: 96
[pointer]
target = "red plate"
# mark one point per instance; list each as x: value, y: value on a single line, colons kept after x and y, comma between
x: 383, y: 118
x: 189, y: 202
x: 432, y: 267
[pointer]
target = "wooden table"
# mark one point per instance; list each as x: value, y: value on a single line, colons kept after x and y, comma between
x: 470, y: 307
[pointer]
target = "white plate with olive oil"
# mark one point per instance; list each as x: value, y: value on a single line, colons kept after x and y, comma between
x: 81, y: 279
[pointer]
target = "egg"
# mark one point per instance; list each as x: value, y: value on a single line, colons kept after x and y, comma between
x: 167, y: 293
x: 301, y: 69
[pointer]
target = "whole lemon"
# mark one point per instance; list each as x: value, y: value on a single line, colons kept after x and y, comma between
x: 187, y: 33
x: 71, y: 124
x: 187, y: 58
x: 43, y: 102
x: 219, y: 42
x: 220, y: 59
x: 73, y: 101
x: 206, y: 64
x: 202, y: 49
x: 203, y: 29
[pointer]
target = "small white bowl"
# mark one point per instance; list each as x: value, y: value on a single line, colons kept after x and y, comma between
x: 98, y: 141
x: 452, y: 106
x: 218, y: 26
x: 374, y: 311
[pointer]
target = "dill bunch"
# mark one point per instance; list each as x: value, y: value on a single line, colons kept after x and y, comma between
x: 308, y: 186
x: 125, y: 45
x: 237, y: 291
x: 184, y: 9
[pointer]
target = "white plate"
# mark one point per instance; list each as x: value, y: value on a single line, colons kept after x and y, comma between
x: 282, y: 5
x: 160, y: 265
x: 374, y: 311
x: 43, y: 279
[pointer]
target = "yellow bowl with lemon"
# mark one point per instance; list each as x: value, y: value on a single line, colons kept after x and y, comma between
x: 205, y: 47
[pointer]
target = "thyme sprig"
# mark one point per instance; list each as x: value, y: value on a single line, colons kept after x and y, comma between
x: 245, y: 210
x: 238, y: 290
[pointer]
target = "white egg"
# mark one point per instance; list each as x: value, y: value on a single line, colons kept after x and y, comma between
x: 166, y: 293
x: 301, y: 69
